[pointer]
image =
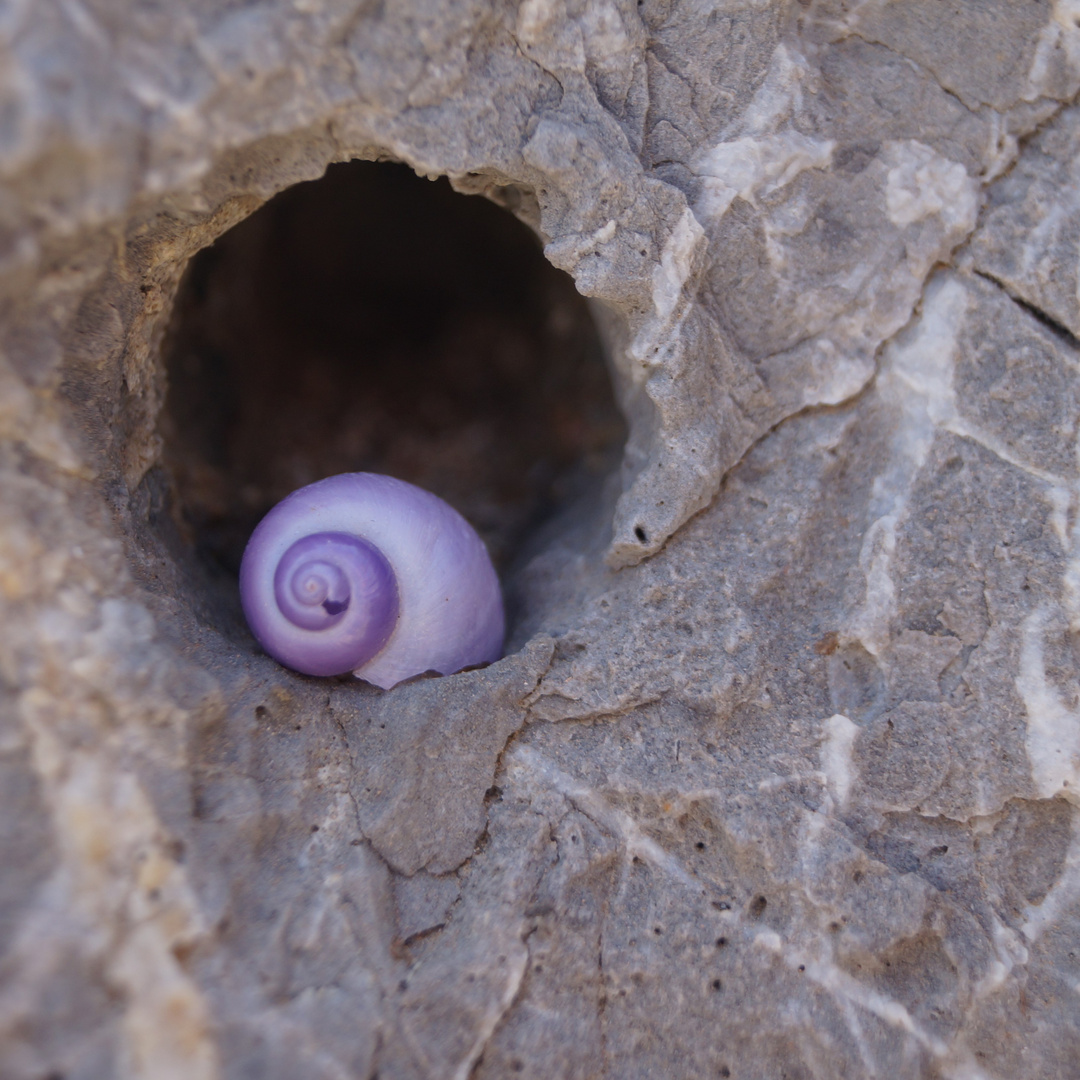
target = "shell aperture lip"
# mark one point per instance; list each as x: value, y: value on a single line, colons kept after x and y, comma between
x: 366, y: 573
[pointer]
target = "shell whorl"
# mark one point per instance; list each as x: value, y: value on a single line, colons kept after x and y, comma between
x: 369, y: 574
x: 342, y: 590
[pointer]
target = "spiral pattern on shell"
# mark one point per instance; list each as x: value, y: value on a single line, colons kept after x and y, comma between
x: 369, y: 574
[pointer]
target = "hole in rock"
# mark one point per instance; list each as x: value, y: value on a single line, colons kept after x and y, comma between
x: 375, y: 321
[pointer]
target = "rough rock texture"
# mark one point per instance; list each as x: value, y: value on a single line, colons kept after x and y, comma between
x: 798, y: 794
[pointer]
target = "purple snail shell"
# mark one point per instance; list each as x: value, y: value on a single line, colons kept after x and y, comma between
x: 368, y: 574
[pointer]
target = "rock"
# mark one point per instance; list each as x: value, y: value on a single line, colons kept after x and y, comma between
x: 781, y: 774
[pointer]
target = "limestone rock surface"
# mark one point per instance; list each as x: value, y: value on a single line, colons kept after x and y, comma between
x: 781, y: 774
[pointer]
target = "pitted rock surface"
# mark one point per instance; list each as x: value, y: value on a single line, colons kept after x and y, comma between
x: 781, y: 774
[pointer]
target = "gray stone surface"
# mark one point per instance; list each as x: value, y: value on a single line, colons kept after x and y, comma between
x: 1032, y: 231
x: 781, y: 776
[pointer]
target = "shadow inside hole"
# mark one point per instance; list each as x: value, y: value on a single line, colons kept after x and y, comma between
x: 373, y: 320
